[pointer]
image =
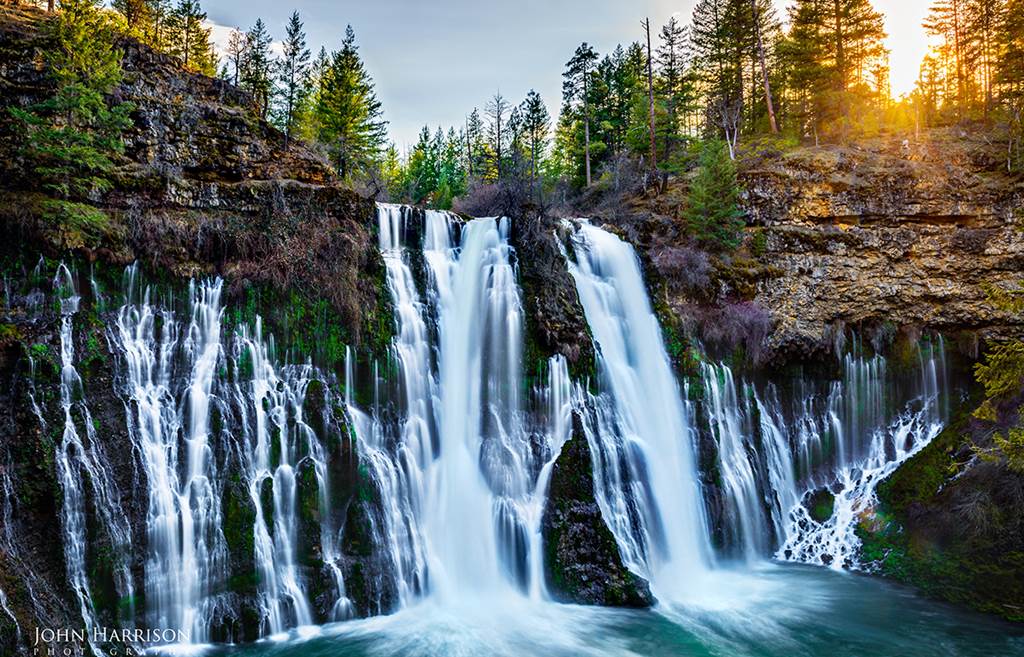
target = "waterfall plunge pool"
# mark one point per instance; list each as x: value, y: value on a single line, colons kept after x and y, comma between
x: 773, y: 610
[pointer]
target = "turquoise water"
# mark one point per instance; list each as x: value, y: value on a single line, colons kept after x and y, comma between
x: 773, y: 611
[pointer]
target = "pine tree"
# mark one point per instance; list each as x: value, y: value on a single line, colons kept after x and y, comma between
x: 189, y: 40
x: 536, y: 125
x: 137, y: 15
x: 348, y: 114
x: 1010, y: 80
x: 576, y: 89
x: 392, y: 173
x: 293, y: 74
x: 257, y: 64
x: 947, y: 19
x: 476, y: 145
x: 674, y: 89
x: 422, y: 170
x: 718, y: 45
x: 834, y: 52
x: 72, y: 138
x: 712, y: 210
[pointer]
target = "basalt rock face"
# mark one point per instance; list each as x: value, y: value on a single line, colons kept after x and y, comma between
x: 555, y: 323
x: 876, y: 237
x: 204, y: 187
x: 582, y: 560
x: 904, y: 234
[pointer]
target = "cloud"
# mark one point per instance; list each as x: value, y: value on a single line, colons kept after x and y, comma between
x: 221, y: 34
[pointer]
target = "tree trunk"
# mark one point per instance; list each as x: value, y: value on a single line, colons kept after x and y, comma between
x: 650, y: 96
x: 586, y: 141
x: 764, y: 69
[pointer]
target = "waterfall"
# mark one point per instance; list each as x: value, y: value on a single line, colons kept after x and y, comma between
x: 868, y: 453
x: 81, y: 463
x: 185, y: 545
x: 455, y: 446
x: 461, y: 483
x: 731, y: 428
x: 646, y: 475
x: 201, y: 412
x: 843, y: 439
x: 278, y: 414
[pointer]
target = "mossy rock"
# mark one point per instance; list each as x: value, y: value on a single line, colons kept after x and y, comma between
x: 820, y: 504
x: 582, y: 560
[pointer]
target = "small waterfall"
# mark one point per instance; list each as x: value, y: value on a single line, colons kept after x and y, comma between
x: 845, y: 438
x: 7, y: 536
x: 280, y: 438
x: 81, y: 464
x: 186, y: 550
x: 201, y: 413
x: 646, y: 475
x: 874, y: 450
x: 731, y: 428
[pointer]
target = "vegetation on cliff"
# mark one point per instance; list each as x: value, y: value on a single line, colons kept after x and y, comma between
x: 949, y: 519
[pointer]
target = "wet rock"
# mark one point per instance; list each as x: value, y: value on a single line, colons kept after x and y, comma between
x: 555, y: 323
x: 581, y: 558
x: 309, y: 549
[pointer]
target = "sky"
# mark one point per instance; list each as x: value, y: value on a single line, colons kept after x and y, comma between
x: 433, y: 61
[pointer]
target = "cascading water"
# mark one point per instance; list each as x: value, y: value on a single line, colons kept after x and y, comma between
x: 846, y: 439
x: 176, y: 380
x: 461, y: 483
x: 872, y: 451
x: 280, y: 436
x: 185, y: 543
x: 455, y: 451
x: 646, y: 475
x: 81, y: 463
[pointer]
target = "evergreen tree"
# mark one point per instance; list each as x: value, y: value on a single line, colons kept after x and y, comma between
x: 476, y: 145
x: 392, y: 173
x: 189, y: 40
x: 674, y: 90
x: 156, y: 30
x: 422, y: 170
x: 293, y: 73
x: 349, y: 116
x: 257, y: 64
x: 136, y: 14
x: 536, y: 124
x: 576, y: 90
x: 716, y: 38
x: 712, y: 211
x: 72, y: 137
x: 1010, y: 80
x: 835, y: 50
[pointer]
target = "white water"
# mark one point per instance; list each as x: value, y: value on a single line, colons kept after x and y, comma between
x: 460, y: 458
x: 175, y: 380
x: 461, y: 486
x: 81, y: 463
x: 649, y: 430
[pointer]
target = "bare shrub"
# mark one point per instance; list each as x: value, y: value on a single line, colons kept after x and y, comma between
x: 684, y: 268
x: 744, y: 324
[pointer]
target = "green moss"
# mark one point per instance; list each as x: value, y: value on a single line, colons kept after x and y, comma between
x: 239, y: 517
x: 920, y: 478
x: 821, y: 504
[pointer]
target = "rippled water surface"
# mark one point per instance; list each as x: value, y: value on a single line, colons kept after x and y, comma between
x: 774, y: 611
